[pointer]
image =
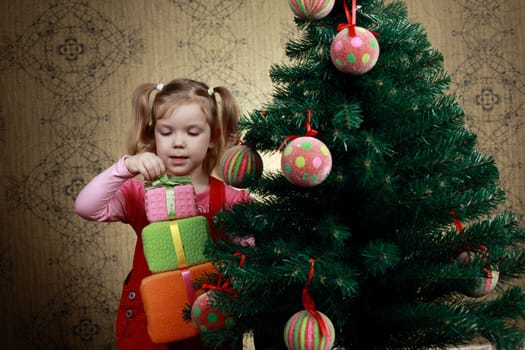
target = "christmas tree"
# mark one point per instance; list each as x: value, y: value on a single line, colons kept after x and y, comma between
x: 405, y: 244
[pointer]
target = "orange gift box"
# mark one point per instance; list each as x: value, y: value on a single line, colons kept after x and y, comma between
x: 165, y: 295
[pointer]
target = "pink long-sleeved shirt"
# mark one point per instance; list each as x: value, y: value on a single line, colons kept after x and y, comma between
x: 103, y: 200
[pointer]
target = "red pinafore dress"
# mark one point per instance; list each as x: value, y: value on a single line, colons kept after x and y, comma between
x: 131, y: 324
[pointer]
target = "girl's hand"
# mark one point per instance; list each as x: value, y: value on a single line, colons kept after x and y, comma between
x: 147, y: 164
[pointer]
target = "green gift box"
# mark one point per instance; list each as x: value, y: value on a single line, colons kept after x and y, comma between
x: 175, y: 244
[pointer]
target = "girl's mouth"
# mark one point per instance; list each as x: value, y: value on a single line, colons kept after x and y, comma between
x: 178, y: 160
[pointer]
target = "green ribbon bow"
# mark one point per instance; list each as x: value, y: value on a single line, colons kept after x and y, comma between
x: 168, y: 181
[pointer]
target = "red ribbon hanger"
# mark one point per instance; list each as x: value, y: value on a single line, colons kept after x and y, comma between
x: 308, y: 126
x: 309, y: 303
x: 482, y: 249
x: 457, y: 222
x: 225, y: 286
x: 309, y: 131
x: 351, y: 18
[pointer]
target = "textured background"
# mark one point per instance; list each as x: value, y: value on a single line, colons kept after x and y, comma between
x: 67, y: 69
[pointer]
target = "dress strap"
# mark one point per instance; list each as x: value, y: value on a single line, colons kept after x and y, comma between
x: 217, y: 201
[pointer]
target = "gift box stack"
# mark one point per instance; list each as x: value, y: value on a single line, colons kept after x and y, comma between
x: 174, y: 243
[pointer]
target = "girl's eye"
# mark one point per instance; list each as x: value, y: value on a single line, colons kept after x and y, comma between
x: 165, y: 132
x: 193, y: 132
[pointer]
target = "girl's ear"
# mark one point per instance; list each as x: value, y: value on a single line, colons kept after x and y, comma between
x: 213, y: 142
x: 214, y: 139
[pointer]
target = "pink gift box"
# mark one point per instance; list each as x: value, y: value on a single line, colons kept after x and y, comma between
x: 170, y: 203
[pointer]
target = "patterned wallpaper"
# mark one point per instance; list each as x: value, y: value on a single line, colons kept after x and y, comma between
x: 483, y: 44
x: 67, y: 69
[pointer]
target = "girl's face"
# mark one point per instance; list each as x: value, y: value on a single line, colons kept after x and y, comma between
x: 183, y: 137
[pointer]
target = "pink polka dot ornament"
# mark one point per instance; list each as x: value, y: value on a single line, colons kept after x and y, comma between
x: 357, y: 54
x: 208, y: 319
x: 311, y: 9
x: 303, y: 332
x: 306, y: 161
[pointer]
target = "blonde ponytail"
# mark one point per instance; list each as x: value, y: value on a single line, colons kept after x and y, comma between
x: 230, y: 114
x: 141, y: 137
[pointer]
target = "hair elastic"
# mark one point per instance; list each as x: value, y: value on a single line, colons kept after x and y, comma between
x: 159, y: 87
x: 211, y: 91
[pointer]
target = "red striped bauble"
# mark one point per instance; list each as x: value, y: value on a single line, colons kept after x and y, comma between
x: 482, y: 286
x: 486, y: 282
x: 302, y: 332
x: 311, y: 9
x: 241, y: 166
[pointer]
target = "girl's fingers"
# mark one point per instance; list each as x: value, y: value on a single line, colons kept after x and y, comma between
x: 149, y: 165
x: 153, y: 167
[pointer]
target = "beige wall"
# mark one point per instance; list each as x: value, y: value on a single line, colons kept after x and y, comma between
x: 67, y: 69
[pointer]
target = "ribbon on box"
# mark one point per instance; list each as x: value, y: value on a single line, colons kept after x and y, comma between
x: 177, y: 244
x: 170, y: 203
x: 187, y: 279
x: 168, y: 181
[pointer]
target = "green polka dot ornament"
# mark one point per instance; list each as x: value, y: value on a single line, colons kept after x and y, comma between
x: 357, y: 54
x: 306, y: 161
x: 208, y: 319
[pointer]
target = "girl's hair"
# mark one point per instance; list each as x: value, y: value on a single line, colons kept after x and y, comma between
x: 222, y: 114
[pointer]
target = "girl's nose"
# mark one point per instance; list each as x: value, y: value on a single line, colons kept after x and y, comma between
x: 178, y: 141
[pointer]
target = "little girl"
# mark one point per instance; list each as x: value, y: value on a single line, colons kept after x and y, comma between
x: 182, y: 132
